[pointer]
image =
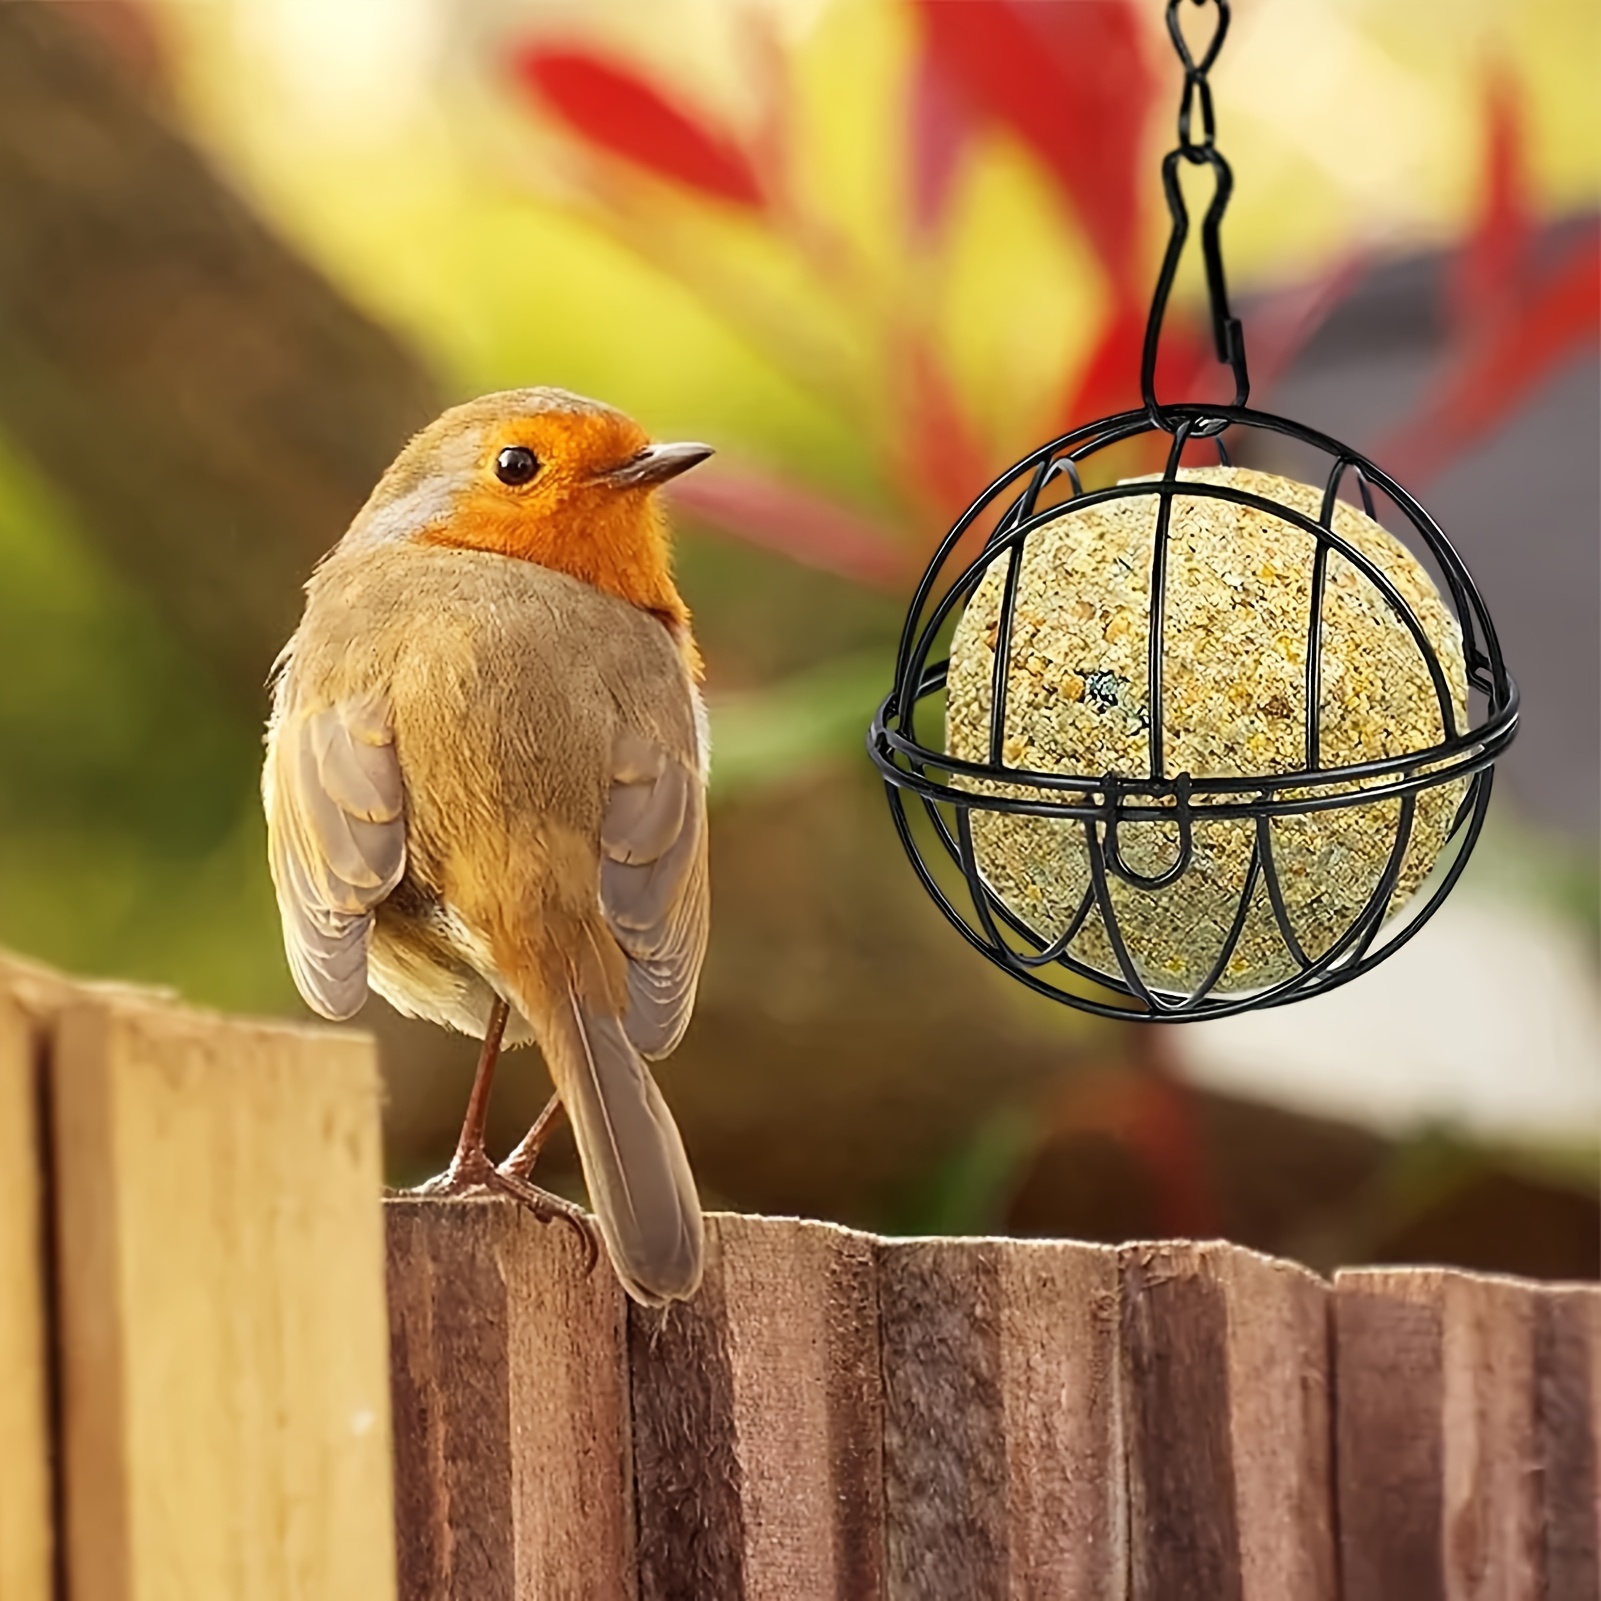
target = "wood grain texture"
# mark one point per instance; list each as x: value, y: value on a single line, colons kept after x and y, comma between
x: 1001, y: 1419
x: 1389, y: 1396
x: 1062, y: 1404
x: 510, y: 1400
x: 26, y: 1515
x: 32, y: 997
x: 801, y: 1305
x: 225, y: 1404
x: 1439, y: 1439
x: 1567, y: 1359
x: 1226, y: 1379
x: 1183, y: 1509
x: 1491, y: 1503
x: 1281, y: 1425
x: 688, y: 1487
x: 944, y: 1451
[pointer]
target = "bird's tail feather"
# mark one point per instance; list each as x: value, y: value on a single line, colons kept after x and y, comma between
x: 638, y: 1177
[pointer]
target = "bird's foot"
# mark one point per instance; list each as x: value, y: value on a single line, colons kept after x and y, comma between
x: 472, y: 1173
x: 550, y: 1208
x: 469, y: 1172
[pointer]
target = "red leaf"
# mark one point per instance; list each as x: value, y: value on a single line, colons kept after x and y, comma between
x: 1109, y: 381
x: 943, y: 464
x: 1487, y: 270
x: 620, y: 112
x: 1510, y: 331
x: 1070, y: 78
x: 796, y: 522
x: 939, y: 125
x: 1186, y: 364
x: 1504, y: 363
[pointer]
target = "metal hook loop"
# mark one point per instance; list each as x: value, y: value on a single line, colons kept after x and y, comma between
x: 1227, y: 333
x: 1114, y: 788
x: 1228, y: 336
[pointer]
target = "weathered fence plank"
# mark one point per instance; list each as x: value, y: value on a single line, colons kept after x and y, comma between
x: 1282, y: 1426
x: 510, y: 1393
x: 1567, y: 1425
x: 32, y: 998
x: 25, y: 1509
x: 193, y: 1396
x: 757, y: 1421
x: 1466, y: 1430
x: 1226, y: 1386
x: 1001, y: 1419
x: 687, y: 1483
x: 221, y: 1315
x: 1491, y: 1500
x: 801, y: 1300
x: 1388, y: 1408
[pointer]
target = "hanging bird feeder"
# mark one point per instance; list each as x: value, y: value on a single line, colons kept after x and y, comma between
x: 1201, y: 741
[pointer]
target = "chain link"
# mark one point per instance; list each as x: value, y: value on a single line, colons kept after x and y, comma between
x: 1227, y: 333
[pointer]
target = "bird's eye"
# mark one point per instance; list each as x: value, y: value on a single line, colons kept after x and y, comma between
x: 516, y: 464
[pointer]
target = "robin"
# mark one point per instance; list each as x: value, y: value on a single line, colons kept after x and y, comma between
x: 485, y: 788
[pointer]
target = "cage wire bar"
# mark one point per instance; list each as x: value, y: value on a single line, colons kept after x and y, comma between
x: 946, y: 790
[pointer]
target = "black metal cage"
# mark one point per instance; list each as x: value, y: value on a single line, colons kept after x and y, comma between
x: 934, y: 796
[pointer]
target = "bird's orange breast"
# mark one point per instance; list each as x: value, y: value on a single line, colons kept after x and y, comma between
x: 613, y: 541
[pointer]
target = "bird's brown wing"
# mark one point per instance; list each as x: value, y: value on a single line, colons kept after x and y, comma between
x: 336, y: 842
x: 654, y: 887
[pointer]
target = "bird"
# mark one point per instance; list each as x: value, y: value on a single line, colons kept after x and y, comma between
x: 485, y: 792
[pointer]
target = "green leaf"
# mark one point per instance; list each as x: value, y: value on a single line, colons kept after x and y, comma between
x: 970, y: 1191
x: 764, y: 737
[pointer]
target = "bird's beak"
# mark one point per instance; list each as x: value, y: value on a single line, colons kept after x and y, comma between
x: 655, y: 464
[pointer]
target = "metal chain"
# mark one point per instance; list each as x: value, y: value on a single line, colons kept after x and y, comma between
x: 1227, y: 334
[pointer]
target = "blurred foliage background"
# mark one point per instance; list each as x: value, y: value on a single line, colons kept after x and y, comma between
x: 872, y: 250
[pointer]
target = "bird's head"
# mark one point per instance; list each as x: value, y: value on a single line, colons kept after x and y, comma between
x: 544, y: 476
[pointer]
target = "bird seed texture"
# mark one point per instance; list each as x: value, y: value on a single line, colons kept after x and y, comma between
x: 1238, y: 595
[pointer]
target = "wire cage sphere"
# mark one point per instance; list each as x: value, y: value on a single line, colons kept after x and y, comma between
x: 941, y: 802
x: 1030, y: 862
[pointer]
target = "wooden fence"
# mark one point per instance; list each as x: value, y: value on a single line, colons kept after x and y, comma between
x: 198, y: 1396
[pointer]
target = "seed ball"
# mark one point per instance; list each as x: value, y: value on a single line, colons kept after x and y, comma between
x: 1238, y: 597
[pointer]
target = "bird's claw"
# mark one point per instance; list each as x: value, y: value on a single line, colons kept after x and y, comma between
x: 550, y: 1208
x: 476, y: 1174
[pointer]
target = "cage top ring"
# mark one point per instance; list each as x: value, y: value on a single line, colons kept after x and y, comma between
x: 1174, y: 738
